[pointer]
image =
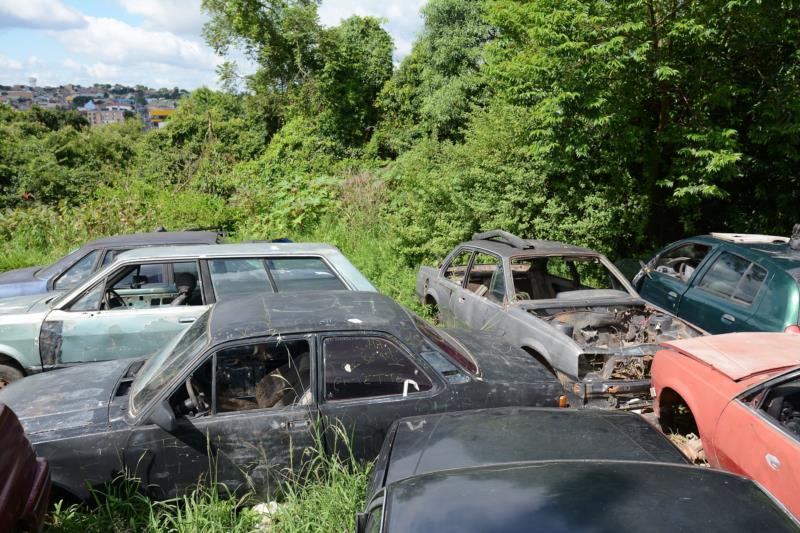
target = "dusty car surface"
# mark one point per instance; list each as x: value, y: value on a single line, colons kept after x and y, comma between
x: 740, y: 393
x: 138, y: 304
x: 249, y: 380
x: 445, y: 441
x: 727, y: 282
x: 567, y: 306
x: 24, y: 478
x: 569, y: 496
x: 79, y: 264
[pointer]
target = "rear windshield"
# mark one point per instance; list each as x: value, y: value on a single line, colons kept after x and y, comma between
x: 446, y: 345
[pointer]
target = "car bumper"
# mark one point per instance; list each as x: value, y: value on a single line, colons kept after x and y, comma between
x: 617, y: 393
x: 39, y: 499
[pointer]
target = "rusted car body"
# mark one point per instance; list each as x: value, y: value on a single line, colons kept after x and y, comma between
x: 740, y: 393
x: 568, y: 307
x: 140, y: 302
x: 250, y: 380
x: 24, y: 478
x: 520, y: 470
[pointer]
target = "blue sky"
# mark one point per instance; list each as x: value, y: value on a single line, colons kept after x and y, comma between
x: 149, y: 42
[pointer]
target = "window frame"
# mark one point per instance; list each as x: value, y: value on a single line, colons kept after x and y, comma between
x: 95, y: 264
x: 732, y: 298
x: 449, y: 261
x: 420, y: 363
x: 791, y: 375
x: 501, y: 265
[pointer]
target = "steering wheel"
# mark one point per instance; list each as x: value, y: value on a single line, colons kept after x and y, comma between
x: 112, y: 300
x: 196, y: 398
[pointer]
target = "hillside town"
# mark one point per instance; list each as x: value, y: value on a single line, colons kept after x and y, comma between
x: 100, y: 104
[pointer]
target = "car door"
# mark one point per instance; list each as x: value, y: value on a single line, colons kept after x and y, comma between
x: 480, y: 306
x: 668, y: 275
x: 724, y: 295
x: 452, y: 281
x: 127, y: 314
x: 367, y: 382
x: 245, y: 434
x: 751, y: 441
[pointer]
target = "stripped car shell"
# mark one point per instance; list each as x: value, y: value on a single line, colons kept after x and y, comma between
x: 599, y: 341
x: 97, y: 420
x: 42, y: 332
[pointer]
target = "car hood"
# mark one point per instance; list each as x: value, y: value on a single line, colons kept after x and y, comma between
x: 21, y: 281
x: 65, y: 399
x: 24, y: 304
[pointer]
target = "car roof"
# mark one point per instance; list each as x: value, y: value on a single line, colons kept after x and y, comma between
x: 156, y: 238
x: 781, y: 254
x: 741, y: 355
x: 222, y: 250
x: 452, y: 440
x: 299, y: 312
x: 604, y: 496
x: 537, y: 247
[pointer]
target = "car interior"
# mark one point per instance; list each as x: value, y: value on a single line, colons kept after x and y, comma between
x: 253, y: 376
x: 542, y: 278
x: 681, y: 262
x: 782, y: 403
x: 148, y: 285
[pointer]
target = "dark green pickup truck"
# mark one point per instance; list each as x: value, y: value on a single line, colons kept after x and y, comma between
x: 727, y: 282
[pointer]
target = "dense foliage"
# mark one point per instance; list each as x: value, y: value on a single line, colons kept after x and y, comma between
x: 618, y: 125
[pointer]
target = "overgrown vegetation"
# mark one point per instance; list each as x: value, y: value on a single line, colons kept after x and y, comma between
x: 615, y: 125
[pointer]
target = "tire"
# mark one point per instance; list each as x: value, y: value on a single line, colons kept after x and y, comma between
x: 9, y: 374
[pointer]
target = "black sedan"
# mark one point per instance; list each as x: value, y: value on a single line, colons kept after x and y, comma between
x: 523, y: 470
x: 249, y: 381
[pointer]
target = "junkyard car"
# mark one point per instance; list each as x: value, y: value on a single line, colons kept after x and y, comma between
x: 139, y: 303
x: 569, y: 307
x: 24, y: 478
x: 249, y: 380
x: 739, y: 392
x: 727, y: 282
x: 79, y: 264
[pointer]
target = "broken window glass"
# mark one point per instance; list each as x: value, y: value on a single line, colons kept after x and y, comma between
x: 77, y: 272
x: 365, y: 367
x: 263, y: 376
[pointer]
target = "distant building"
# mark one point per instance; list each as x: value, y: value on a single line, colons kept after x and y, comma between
x: 100, y: 117
x: 158, y: 117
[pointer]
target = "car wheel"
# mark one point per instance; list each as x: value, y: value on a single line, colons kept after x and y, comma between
x: 8, y: 374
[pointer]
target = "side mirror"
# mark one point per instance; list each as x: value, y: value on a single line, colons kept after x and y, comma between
x: 645, y: 269
x: 164, y: 417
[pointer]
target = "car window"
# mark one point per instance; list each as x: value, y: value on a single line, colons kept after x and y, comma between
x: 263, y: 375
x: 237, y: 277
x: 782, y: 404
x: 733, y: 277
x: 90, y: 301
x: 374, y: 520
x: 149, y: 273
x: 297, y: 274
x: 77, y: 272
x: 486, y: 277
x: 457, y: 268
x: 364, y: 367
x: 543, y: 278
x: 144, y: 286
x: 681, y: 262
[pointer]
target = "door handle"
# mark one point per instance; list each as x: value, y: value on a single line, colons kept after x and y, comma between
x: 461, y: 299
x: 672, y: 295
x: 730, y: 319
x: 186, y: 320
x: 298, y: 424
x: 773, y: 462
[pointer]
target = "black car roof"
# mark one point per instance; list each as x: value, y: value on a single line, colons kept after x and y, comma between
x: 286, y: 313
x: 443, y: 441
x: 569, y: 496
x: 156, y: 238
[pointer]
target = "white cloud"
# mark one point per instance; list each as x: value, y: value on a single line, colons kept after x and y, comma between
x: 8, y: 63
x: 402, y: 18
x: 115, y: 42
x: 39, y: 14
x: 178, y: 16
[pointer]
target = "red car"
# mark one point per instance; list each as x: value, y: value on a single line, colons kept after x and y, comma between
x: 24, y: 479
x: 741, y: 394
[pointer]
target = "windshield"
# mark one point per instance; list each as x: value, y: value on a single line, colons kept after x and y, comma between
x: 545, y: 278
x: 58, y: 266
x: 164, y: 366
x: 446, y: 345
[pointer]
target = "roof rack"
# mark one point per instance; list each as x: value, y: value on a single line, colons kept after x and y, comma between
x: 503, y: 236
x: 749, y: 238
